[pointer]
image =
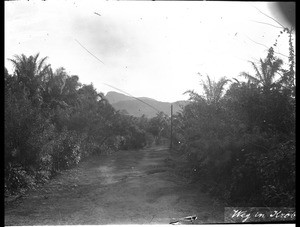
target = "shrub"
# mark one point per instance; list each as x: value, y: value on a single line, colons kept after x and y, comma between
x: 278, y: 177
x: 16, y: 178
x: 65, y: 151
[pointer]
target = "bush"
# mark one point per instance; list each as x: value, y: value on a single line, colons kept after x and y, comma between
x: 65, y: 151
x: 279, y: 178
x: 16, y: 178
x: 52, y: 121
x: 250, y: 175
x: 134, y: 139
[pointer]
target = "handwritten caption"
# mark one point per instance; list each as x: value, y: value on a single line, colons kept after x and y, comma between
x: 259, y: 214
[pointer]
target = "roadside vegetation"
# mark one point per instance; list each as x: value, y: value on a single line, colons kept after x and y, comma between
x: 52, y: 122
x: 240, y: 141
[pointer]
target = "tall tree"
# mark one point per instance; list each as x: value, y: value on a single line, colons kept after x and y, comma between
x: 30, y: 73
x: 213, y: 90
x: 265, y: 72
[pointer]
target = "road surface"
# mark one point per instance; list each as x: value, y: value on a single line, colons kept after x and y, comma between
x: 126, y: 187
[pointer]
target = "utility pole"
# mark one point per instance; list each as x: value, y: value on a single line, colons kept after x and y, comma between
x: 171, y: 145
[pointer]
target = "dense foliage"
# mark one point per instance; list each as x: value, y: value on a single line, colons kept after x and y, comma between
x: 241, y: 145
x: 240, y: 142
x: 52, y: 122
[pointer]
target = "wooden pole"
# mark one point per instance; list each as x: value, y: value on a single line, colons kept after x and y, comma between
x: 171, y: 144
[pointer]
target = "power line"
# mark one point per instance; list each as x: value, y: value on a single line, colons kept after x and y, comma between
x: 115, y: 87
x: 89, y: 51
x: 266, y: 24
x: 269, y: 17
x: 133, y: 97
x: 264, y: 46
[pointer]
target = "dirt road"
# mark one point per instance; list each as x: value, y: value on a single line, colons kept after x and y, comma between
x: 127, y: 187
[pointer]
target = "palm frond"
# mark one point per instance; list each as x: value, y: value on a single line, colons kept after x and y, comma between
x: 236, y: 80
x: 193, y: 95
x: 265, y: 75
x: 45, y: 69
x: 41, y: 64
x: 13, y: 61
x: 208, y: 88
x: 219, y: 88
x: 249, y: 77
x: 209, y: 83
x: 258, y: 74
x: 23, y: 58
x: 276, y: 66
x: 36, y: 57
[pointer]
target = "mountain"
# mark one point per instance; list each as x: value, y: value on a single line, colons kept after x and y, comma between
x: 144, y: 106
x: 114, y: 97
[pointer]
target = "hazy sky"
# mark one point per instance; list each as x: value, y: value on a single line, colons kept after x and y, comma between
x: 152, y: 49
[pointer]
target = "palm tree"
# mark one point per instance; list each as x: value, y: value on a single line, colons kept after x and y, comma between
x: 266, y: 71
x: 60, y: 89
x: 213, y: 90
x: 30, y: 72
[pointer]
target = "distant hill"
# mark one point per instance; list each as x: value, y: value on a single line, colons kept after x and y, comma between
x: 137, y: 108
x: 114, y: 97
